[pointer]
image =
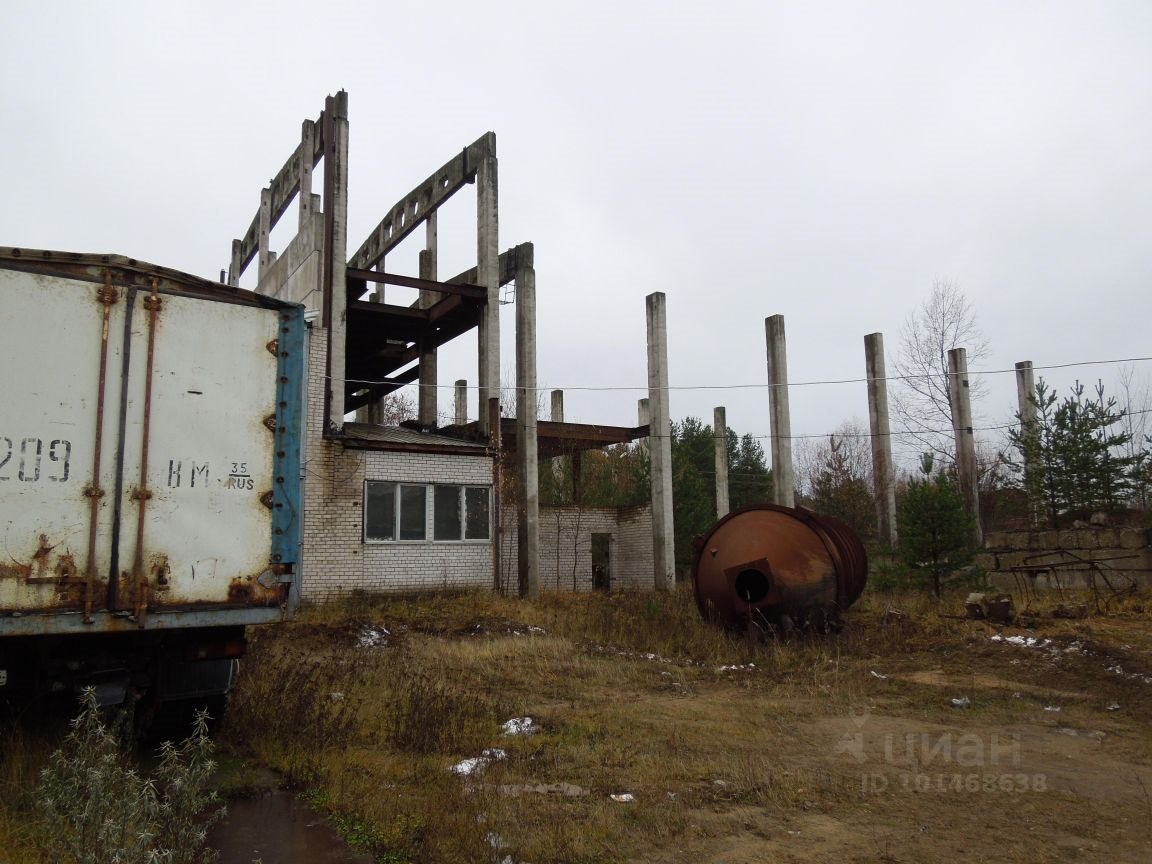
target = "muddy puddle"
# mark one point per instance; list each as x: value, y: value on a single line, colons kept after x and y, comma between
x: 276, y: 827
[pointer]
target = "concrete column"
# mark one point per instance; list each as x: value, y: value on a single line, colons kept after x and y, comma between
x: 493, y: 413
x: 307, y: 148
x: 428, y: 372
x: 783, y: 482
x: 1025, y: 394
x: 234, y: 266
x: 265, y: 256
x: 559, y: 463
x: 644, y: 418
x: 461, y: 402
x: 338, y: 260
x: 720, y: 437
x: 663, y: 530
x: 527, y: 448
x: 883, y: 476
x: 959, y: 394
x: 488, y: 275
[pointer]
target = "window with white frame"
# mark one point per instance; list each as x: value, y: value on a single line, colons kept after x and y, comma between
x: 399, y: 511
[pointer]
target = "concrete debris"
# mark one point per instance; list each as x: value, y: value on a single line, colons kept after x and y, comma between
x: 564, y: 790
x: 990, y: 607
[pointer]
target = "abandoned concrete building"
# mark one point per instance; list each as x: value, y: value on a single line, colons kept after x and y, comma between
x: 423, y: 505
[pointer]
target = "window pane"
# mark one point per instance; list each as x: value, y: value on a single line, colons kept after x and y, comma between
x: 412, y: 515
x: 380, y: 511
x: 446, y: 507
x: 476, y: 508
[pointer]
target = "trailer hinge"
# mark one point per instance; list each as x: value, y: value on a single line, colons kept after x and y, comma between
x: 153, y: 302
x: 270, y: 422
x: 141, y: 494
x: 93, y: 491
x: 274, y: 347
x: 106, y: 295
x: 266, y: 499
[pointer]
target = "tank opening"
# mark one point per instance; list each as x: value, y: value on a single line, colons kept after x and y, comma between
x: 751, y: 586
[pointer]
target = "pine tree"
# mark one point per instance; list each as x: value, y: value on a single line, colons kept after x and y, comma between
x: 1073, y: 458
x: 935, y: 529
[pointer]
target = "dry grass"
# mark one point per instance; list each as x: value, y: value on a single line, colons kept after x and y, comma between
x: 742, y: 764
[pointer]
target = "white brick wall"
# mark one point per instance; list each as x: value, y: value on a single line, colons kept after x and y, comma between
x: 336, y: 560
x: 566, y: 547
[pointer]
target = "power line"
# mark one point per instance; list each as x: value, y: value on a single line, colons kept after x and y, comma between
x: 813, y: 383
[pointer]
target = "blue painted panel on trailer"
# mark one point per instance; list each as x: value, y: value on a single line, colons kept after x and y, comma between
x: 287, y: 492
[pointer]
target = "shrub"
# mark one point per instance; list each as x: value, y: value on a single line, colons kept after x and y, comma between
x: 98, y: 809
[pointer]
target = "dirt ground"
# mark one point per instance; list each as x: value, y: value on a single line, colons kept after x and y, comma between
x: 907, y: 738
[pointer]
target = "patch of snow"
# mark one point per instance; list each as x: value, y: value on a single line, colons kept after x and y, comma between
x: 876, y: 674
x: 373, y: 637
x: 1115, y: 706
x: 520, y: 726
x: 1051, y: 707
x: 962, y: 702
x: 476, y: 764
x: 623, y: 797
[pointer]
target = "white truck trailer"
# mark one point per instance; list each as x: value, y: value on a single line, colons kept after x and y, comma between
x: 150, y: 495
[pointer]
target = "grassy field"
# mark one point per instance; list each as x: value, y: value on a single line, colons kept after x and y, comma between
x: 730, y: 750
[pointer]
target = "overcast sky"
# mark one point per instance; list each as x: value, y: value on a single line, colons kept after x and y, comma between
x: 827, y: 161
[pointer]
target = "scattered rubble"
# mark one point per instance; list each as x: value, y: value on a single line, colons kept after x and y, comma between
x: 990, y: 607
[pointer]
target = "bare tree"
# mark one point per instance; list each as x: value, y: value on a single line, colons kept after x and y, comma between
x: 945, y: 320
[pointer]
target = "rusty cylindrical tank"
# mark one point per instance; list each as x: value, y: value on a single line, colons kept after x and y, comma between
x: 788, y: 567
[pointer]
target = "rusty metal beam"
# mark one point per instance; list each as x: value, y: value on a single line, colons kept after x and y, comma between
x: 509, y: 264
x: 411, y: 210
x: 356, y: 275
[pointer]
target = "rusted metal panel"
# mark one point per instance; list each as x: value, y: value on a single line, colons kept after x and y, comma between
x: 138, y: 472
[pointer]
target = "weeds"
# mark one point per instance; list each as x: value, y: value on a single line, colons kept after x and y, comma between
x: 97, y: 808
x: 719, y: 738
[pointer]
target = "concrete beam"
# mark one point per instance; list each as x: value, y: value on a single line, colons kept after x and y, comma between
x: 783, y: 482
x: 663, y: 530
x: 959, y: 394
x: 410, y: 211
x: 527, y: 447
x: 883, y: 475
x: 720, y: 440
